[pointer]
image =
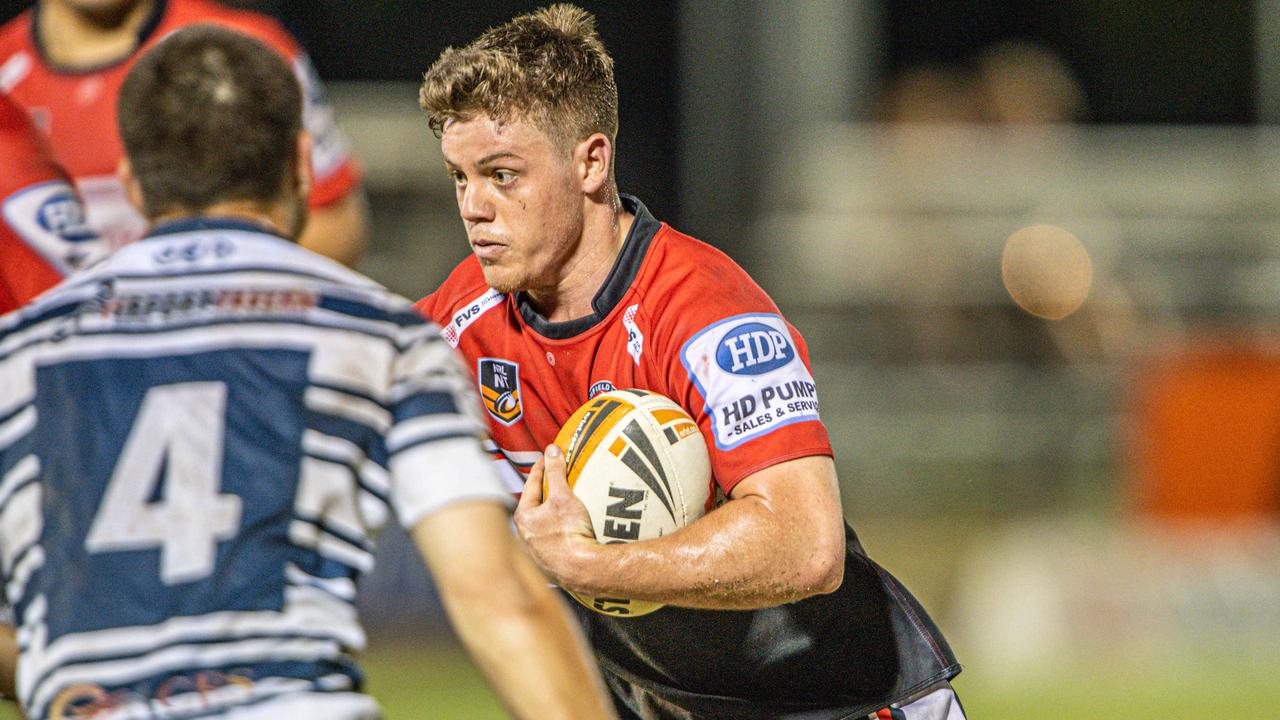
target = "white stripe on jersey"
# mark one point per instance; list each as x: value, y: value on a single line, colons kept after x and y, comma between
x: 153, y: 256
x: 189, y: 341
x: 375, y: 476
x: 324, y: 491
x: 22, y: 471
x: 373, y: 509
x: 350, y: 360
x: 14, y: 429
x: 17, y: 382
x: 511, y: 478
x: 316, y: 442
x: 303, y: 614
x: 347, y: 406
x: 317, y: 706
x: 178, y: 658
x: 427, y: 477
x: 31, y: 562
x: 313, y: 607
x: 193, y: 703
x: 312, y: 537
x: 21, y: 520
x: 342, y: 587
x: 425, y: 427
x: 519, y: 457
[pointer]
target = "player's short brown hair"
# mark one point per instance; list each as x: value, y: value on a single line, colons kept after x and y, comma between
x: 548, y: 67
x: 209, y: 115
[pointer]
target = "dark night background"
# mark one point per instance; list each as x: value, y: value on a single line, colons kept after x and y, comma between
x: 1168, y: 61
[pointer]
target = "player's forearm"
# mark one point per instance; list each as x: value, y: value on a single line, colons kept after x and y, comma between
x: 528, y: 645
x: 8, y: 662
x: 742, y: 555
x: 338, y: 231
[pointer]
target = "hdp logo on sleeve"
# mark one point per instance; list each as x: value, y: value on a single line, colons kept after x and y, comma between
x: 754, y: 349
x: 500, y: 389
x: 749, y: 372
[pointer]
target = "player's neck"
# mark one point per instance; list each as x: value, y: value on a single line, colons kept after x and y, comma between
x: 274, y: 218
x: 75, y: 39
x: 585, y: 273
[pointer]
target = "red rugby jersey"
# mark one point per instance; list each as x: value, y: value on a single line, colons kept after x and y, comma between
x: 43, y: 236
x: 77, y: 108
x: 675, y: 316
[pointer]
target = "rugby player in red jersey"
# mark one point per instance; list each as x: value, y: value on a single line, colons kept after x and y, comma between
x: 43, y: 235
x: 65, y: 60
x: 773, y: 609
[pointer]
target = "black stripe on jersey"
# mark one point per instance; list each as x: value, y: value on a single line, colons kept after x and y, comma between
x: 60, y: 310
x: 365, y: 311
x: 19, y: 487
x: 356, y: 433
x: 522, y: 467
x: 355, y: 474
x: 183, y: 272
x: 424, y: 403
x: 210, y: 322
x: 438, y: 437
x: 21, y: 600
x: 317, y: 583
x: 14, y: 413
x: 355, y: 540
x: 348, y: 390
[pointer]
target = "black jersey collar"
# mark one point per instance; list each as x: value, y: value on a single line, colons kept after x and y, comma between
x: 620, y: 278
x: 144, y: 33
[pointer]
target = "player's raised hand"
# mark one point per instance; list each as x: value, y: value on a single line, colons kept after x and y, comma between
x: 555, y: 525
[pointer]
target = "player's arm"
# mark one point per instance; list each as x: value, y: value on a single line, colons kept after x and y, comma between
x: 339, y: 230
x: 8, y: 662
x: 779, y: 538
x: 515, y: 627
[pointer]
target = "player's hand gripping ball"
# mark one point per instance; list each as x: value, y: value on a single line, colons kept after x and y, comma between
x: 638, y: 462
x: 1046, y: 270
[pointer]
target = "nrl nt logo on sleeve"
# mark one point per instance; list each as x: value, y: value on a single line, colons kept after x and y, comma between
x: 500, y: 389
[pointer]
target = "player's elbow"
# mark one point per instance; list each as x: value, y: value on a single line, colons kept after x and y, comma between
x: 822, y: 569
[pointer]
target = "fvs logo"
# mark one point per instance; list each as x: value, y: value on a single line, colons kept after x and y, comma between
x: 754, y: 349
x: 500, y: 389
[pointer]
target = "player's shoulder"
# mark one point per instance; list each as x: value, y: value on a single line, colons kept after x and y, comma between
x: 698, y: 282
x: 182, y: 13
x: 15, y: 36
x: 465, y: 287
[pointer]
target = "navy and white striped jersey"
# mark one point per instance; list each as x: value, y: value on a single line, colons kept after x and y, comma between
x: 199, y: 439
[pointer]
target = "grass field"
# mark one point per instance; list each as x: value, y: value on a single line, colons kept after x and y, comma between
x: 433, y: 681
x: 414, y: 683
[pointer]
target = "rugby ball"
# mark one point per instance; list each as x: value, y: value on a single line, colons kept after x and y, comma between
x: 638, y: 462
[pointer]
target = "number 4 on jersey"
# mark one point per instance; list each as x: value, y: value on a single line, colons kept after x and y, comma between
x: 176, y: 439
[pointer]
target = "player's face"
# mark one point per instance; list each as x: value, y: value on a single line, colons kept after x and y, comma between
x: 520, y: 201
x: 105, y: 12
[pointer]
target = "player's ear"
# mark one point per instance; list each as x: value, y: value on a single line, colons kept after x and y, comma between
x: 132, y: 188
x: 592, y: 159
x: 302, y: 165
